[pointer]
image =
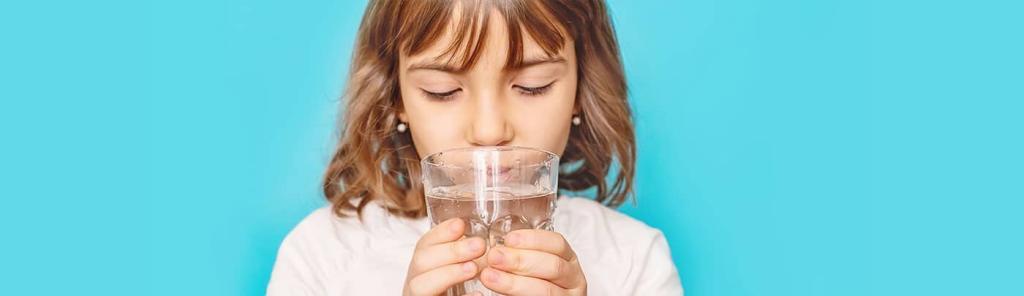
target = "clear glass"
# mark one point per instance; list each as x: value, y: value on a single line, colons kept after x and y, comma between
x: 494, y: 189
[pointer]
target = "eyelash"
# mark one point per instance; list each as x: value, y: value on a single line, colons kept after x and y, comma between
x: 529, y: 91
x: 442, y: 96
x: 534, y: 91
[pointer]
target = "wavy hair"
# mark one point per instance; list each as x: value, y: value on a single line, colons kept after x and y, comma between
x: 374, y: 162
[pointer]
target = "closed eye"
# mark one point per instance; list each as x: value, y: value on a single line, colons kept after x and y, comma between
x: 441, y: 96
x: 533, y: 91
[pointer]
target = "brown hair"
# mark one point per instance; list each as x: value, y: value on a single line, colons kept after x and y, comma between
x: 374, y: 162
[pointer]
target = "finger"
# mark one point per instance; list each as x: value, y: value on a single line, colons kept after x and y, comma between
x: 540, y: 240
x: 474, y: 294
x: 449, y: 230
x: 513, y: 285
x: 431, y: 257
x: 535, y: 264
x: 437, y: 280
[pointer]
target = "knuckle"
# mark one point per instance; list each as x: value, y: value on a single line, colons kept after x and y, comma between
x: 525, y: 235
x: 454, y: 272
x: 512, y: 259
x: 417, y: 264
x: 457, y: 249
x: 416, y: 288
x: 453, y: 248
x: 562, y: 241
x: 564, y: 249
x: 424, y: 259
x: 557, y: 266
x: 422, y: 242
x: 553, y: 291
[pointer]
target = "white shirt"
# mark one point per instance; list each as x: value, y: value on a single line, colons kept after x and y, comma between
x: 330, y: 255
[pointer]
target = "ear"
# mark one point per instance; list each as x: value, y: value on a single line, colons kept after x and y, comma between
x: 402, y: 117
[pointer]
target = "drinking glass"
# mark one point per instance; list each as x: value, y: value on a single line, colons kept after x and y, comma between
x: 495, y: 190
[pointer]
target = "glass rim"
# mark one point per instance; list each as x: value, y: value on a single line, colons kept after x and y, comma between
x: 426, y: 160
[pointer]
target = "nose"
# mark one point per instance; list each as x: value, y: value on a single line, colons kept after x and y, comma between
x: 490, y: 126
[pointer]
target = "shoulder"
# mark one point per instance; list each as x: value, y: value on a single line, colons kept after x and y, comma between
x: 577, y: 213
x: 600, y: 231
x: 349, y: 255
x: 323, y: 228
x: 620, y: 255
x: 308, y: 256
x: 321, y: 234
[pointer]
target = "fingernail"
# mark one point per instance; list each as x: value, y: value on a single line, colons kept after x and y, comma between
x: 511, y: 239
x: 469, y: 267
x: 490, y: 275
x: 498, y: 257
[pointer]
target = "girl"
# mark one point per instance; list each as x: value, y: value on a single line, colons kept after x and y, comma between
x: 429, y: 76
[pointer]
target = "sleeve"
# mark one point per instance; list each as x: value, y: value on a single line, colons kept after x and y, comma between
x: 659, y: 275
x: 294, y: 273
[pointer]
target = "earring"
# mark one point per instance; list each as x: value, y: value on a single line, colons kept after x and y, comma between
x: 576, y: 120
x: 402, y: 127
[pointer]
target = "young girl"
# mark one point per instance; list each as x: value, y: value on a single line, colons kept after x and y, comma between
x: 429, y: 76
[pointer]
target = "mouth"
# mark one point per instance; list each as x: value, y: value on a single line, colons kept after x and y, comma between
x: 499, y: 171
x: 500, y: 174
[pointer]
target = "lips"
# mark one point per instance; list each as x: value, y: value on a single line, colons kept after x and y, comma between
x: 501, y: 173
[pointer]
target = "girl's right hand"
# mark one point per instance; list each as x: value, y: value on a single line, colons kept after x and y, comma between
x: 441, y: 259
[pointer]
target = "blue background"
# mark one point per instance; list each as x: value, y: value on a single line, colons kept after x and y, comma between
x: 786, y: 147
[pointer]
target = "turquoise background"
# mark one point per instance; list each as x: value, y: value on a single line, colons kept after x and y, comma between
x: 786, y: 147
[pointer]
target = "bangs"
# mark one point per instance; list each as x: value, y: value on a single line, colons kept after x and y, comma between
x: 423, y: 23
x: 375, y: 162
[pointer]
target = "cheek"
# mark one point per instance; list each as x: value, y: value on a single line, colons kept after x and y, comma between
x: 544, y: 123
x: 431, y: 132
x: 429, y: 139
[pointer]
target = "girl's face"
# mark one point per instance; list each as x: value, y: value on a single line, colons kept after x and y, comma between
x: 488, y: 104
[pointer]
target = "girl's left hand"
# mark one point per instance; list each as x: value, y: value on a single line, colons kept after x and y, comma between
x: 534, y: 262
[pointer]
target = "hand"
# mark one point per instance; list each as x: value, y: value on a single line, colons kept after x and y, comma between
x: 534, y: 262
x: 441, y: 259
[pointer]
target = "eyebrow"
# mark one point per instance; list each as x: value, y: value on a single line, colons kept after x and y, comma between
x: 528, y: 62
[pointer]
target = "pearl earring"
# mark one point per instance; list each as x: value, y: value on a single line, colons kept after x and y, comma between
x: 402, y: 127
x: 576, y: 120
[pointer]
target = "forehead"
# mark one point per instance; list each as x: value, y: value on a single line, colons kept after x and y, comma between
x: 459, y: 33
